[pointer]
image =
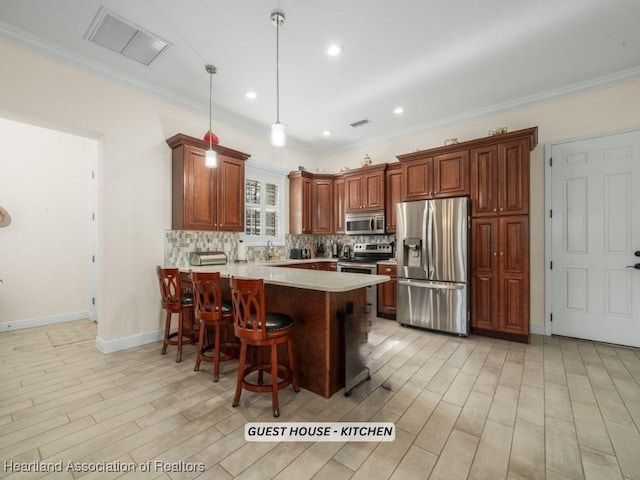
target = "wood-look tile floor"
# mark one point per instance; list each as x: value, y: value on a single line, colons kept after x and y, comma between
x: 473, y: 408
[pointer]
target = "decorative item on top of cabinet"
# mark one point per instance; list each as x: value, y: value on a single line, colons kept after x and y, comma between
x: 393, y: 176
x: 206, y: 198
x: 364, y: 188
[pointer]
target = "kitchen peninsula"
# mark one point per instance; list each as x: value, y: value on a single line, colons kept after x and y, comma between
x: 322, y: 305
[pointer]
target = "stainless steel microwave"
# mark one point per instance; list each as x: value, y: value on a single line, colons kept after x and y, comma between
x: 365, y: 223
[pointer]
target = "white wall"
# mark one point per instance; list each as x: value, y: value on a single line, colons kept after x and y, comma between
x: 606, y: 110
x: 134, y: 173
x: 45, y: 252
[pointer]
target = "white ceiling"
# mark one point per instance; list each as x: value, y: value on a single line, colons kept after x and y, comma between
x: 443, y: 61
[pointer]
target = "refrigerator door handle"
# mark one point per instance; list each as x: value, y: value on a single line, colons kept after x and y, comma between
x: 424, y: 250
x: 432, y: 285
x: 429, y: 256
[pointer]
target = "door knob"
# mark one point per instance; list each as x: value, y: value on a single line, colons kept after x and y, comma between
x: 636, y: 266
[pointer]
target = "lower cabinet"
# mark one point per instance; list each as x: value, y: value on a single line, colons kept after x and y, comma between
x: 500, y: 277
x: 387, y: 292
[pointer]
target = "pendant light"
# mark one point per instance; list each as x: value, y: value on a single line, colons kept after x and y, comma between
x: 210, y: 157
x: 278, y: 131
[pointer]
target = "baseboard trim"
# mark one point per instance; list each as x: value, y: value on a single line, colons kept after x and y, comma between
x: 41, y: 321
x: 537, y: 329
x: 117, y: 344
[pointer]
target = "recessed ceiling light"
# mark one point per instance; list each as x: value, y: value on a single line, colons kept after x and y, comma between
x: 326, y: 133
x: 334, y: 50
x: 398, y: 110
x: 251, y: 95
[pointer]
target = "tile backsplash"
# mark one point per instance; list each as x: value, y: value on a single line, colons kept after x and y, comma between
x: 180, y: 243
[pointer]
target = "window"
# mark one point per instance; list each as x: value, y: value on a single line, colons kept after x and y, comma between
x: 264, y: 204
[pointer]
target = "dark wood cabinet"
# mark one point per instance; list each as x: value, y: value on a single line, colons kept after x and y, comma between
x: 451, y: 174
x: 500, y: 179
x: 484, y: 273
x: 322, y: 205
x: 500, y: 275
x: 206, y: 198
x: 339, y: 206
x: 513, y: 269
x: 364, y: 189
x: 230, y: 194
x: 417, y: 179
x: 387, y: 291
x: 311, y: 200
x: 393, y: 177
x: 300, y: 203
x: 435, y: 176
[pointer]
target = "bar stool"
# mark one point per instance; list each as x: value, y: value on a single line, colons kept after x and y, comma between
x: 211, y: 311
x: 174, y: 301
x: 254, y: 326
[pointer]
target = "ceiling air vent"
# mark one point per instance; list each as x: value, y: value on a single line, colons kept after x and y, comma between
x: 359, y: 123
x: 121, y: 36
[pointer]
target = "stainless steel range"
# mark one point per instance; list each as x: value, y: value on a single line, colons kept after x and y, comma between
x: 365, y: 256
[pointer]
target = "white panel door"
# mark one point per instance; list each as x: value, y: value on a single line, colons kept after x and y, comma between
x: 595, y: 230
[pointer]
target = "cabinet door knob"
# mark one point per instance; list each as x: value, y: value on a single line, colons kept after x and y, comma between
x: 387, y: 270
x: 502, y: 209
x: 502, y: 254
x: 495, y: 209
x: 495, y: 254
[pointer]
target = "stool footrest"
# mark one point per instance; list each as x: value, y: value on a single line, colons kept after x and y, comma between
x: 287, y: 377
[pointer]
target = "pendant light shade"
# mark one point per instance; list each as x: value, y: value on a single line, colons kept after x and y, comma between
x: 278, y: 130
x: 278, y: 135
x: 210, y: 156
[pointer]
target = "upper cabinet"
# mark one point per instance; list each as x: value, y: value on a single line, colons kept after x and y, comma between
x: 322, y: 204
x: 311, y: 203
x: 206, y: 198
x: 300, y: 202
x: 393, y: 194
x: 428, y: 176
x: 500, y: 178
x: 364, y: 189
x: 339, y: 225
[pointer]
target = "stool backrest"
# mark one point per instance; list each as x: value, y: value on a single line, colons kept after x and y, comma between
x: 249, y: 314
x: 207, y: 295
x: 170, y: 292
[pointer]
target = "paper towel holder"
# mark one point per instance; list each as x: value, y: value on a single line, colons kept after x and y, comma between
x: 241, y: 256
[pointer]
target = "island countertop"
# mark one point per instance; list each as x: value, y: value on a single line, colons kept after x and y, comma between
x: 294, y: 277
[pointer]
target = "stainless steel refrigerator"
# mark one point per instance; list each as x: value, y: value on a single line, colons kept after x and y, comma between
x: 432, y: 254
